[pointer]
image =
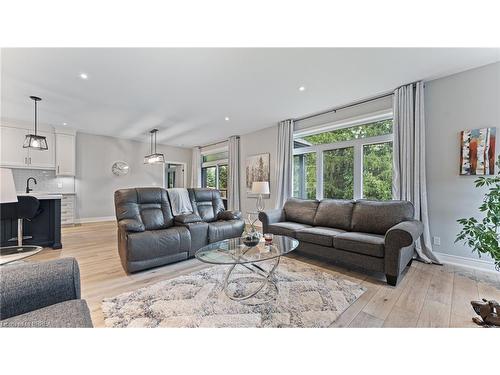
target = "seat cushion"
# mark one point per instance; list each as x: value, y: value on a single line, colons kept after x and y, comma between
x: 334, y: 213
x: 300, y: 210
x: 379, y: 216
x: 318, y: 235
x: 158, y: 243
x: 362, y: 243
x: 68, y: 314
x: 286, y: 228
x: 225, y: 229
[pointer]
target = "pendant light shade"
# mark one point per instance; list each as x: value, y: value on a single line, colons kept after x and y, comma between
x: 154, y: 157
x: 35, y: 141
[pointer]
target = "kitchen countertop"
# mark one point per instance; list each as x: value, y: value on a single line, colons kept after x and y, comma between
x: 42, y: 196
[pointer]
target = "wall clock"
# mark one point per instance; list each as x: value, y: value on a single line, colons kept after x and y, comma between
x: 120, y: 168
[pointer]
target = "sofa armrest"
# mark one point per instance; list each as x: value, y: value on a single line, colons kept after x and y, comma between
x: 188, y: 218
x: 404, y: 234
x: 399, y: 247
x: 229, y: 215
x: 131, y: 225
x: 270, y: 217
x: 31, y: 286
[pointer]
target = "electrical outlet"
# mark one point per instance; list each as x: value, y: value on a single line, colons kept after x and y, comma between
x: 60, y: 185
x: 436, y: 240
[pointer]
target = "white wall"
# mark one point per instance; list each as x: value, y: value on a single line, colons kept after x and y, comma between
x: 262, y: 141
x: 467, y: 100
x: 96, y: 184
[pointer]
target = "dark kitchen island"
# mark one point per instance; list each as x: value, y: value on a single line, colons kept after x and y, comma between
x: 45, y: 228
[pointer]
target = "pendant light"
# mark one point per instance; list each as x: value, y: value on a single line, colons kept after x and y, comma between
x: 154, y: 157
x: 35, y: 141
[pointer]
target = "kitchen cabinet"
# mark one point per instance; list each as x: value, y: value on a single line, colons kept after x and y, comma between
x: 65, y: 154
x: 15, y: 156
x: 67, y: 209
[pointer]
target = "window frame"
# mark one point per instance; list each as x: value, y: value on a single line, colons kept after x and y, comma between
x: 357, y: 144
x: 217, y: 164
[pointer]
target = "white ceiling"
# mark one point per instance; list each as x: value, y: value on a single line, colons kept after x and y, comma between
x: 187, y: 93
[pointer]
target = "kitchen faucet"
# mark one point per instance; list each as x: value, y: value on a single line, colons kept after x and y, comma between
x: 28, y: 184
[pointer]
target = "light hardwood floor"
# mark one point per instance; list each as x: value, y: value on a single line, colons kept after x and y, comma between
x: 428, y: 295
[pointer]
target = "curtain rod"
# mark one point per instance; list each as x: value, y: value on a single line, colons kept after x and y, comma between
x: 217, y: 143
x: 371, y: 99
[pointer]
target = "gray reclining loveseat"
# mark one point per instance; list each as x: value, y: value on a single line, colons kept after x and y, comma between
x: 375, y: 235
x: 149, y: 235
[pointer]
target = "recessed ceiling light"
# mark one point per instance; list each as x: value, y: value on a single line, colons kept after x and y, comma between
x: 84, y: 76
x: 65, y: 123
x: 226, y: 118
x: 302, y: 88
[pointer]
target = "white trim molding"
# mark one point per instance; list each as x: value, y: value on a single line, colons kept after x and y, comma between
x: 85, y: 220
x: 477, y: 264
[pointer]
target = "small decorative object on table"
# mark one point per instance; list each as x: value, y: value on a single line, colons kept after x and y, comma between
x: 268, y: 237
x: 251, y: 237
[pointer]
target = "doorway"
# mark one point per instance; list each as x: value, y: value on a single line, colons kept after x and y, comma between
x: 174, y: 176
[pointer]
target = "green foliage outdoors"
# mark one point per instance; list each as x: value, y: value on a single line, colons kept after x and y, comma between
x: 483, y: 235
x: 338, y: 164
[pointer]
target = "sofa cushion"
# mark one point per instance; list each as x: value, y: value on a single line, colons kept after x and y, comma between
x: 318, y: 235
x: 207, y: 203
x: 158, y: 243
x: 301, y: 210
x: 222, y: 230
x: 68, y: 314
x: 286, y: 228
x: 334, y: 213
x: 361, y: 243
x: 379, y: 216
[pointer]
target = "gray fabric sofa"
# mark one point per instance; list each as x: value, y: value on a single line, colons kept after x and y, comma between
x: 149, y: 235
x: 375, y: 235
x: 43, y: 294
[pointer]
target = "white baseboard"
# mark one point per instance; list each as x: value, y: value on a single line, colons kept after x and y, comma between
x: 478, y: 264
x: 94, y: 219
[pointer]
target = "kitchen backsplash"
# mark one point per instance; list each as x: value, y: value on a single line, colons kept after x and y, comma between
x: 47, y: 181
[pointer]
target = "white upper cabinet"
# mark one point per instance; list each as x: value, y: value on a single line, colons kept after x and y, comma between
x: 65, y: 155
x: 43, y: 159
x: 13, y: 154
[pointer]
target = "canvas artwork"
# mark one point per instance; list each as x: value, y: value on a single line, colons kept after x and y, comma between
x: 477, y: 153
x: 257, y: 169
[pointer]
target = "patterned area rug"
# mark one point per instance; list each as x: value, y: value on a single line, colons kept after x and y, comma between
x: 308, y: 297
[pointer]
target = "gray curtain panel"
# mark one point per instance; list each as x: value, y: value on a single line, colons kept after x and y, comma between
x: 284, y: 162
x: 196, y: 168
x: 233, y: 185
x: 409, y: 182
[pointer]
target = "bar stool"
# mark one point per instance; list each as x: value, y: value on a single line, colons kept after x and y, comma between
x: 27, y: 208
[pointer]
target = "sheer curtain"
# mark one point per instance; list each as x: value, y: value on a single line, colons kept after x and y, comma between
x: 284, y: 162
x: 196, y: 167
x: 409, y: 181
x: 233, y: 185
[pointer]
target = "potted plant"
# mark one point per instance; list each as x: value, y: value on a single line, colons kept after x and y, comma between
x: 483, y: 235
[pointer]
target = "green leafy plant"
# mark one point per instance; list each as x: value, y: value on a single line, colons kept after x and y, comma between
x: 483, y: 235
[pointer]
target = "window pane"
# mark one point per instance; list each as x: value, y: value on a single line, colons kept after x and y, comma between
x: 217, y: 156
x: 223, y: 180
x: 359, y: 131
x: 208, y: 177
x: 338, y: 173
x: 377, y: 171
x: 304, y: 176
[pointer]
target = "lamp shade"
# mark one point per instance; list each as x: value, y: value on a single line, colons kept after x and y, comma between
x: 7, y: 188
x: 260, y: 187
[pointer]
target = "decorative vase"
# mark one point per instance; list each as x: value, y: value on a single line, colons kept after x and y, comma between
x: 251, y: 237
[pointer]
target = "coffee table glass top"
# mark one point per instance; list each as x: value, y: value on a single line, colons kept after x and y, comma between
x: 234, y: 251
x: 14, y: 253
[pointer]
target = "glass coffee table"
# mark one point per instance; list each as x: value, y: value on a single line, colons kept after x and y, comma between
x: 11, y: 254
x: 234, y: 252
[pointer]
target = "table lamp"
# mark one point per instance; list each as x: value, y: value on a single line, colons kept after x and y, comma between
x: 8, y: 192
x: 260, y: 187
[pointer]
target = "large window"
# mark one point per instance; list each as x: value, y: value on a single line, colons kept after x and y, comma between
x: 214, y: 171
x: 346, y: 163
